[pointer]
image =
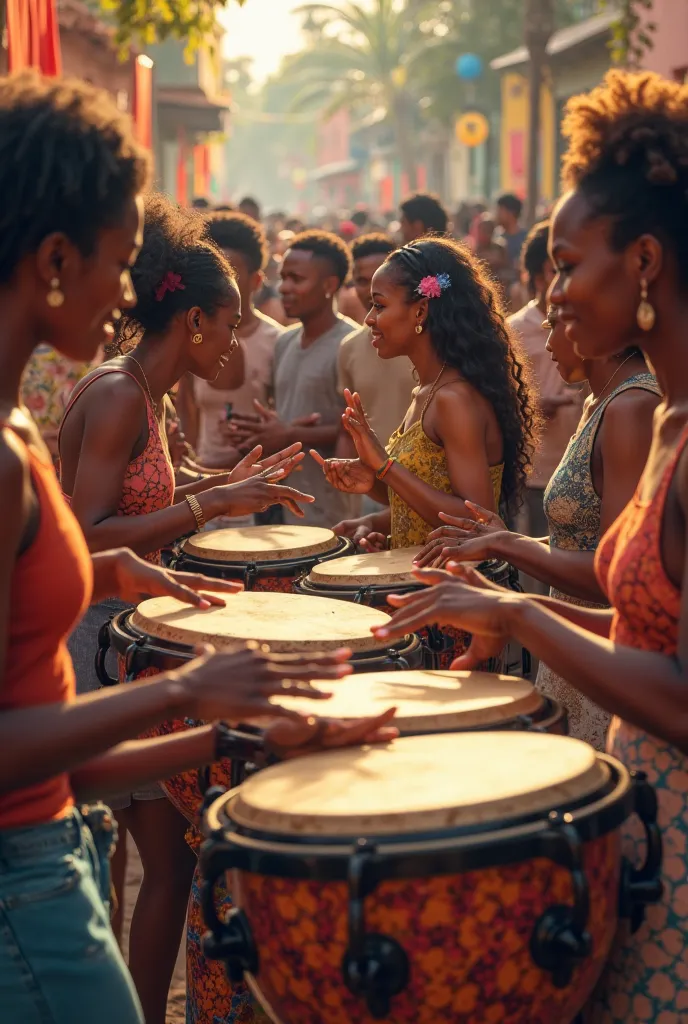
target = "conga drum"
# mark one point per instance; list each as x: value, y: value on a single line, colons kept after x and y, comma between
x: 162, y: 634
x: 440, y: 702
x: 467, y: 879
x: 261, y: 557
x: 370, y: 579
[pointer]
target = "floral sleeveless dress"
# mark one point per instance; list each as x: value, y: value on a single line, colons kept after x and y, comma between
x: 647, y: 977
x: 415, y: 451
x: 573, y: 509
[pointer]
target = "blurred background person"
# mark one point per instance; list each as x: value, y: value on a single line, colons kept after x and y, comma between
x: 385, y: 388
x: 422, y: 214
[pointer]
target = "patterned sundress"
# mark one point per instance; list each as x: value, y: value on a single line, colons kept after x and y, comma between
x: 415, y: 451
x: 647, y: 976
x: 573, y: 509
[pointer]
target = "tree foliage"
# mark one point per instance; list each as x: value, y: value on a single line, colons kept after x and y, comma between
x: 153, y: 21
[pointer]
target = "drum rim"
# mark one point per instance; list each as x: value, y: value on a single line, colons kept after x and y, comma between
x: 276, y: 567
x: 124, y: 635
x: 452, y: 850
x: 320, y: 587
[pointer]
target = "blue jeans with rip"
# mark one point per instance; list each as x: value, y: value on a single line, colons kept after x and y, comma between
x: 59, y: 960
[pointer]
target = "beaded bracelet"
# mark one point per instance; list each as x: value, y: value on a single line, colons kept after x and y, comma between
x: 384, y: 469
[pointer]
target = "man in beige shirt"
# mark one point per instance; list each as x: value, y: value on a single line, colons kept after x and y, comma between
x: 560, y: 405
x: 385, y: 385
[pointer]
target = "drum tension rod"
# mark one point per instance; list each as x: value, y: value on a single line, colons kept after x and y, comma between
x: 560, y: 939
x: 375, y: 967
x: 641, y: 886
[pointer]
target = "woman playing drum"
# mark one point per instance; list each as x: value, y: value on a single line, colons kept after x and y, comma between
x: 70, y: 175
x: 469, y: 430
x: 593, y: 483
x: 620, y: 247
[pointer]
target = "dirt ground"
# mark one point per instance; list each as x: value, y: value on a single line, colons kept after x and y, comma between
x: 175, y: 1006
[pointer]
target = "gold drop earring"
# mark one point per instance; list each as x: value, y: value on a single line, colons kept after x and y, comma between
x: 197, y: 339
x: 646, y: 315
x: 419, y: 328
x: 55, y: 296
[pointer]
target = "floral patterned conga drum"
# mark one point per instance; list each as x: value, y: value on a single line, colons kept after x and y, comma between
x: 371, y: 577
x: 467, y: 879
x: 261, y: 557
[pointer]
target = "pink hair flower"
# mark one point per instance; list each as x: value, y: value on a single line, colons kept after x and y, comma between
x: 432, y: 287
x: 171, y: 282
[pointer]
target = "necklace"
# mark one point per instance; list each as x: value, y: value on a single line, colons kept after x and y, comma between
x: 613, y: 376
x: 145, y: 381
x: 432, y: 391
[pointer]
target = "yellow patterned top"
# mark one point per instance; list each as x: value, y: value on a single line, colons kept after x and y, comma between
x: 414, y: 450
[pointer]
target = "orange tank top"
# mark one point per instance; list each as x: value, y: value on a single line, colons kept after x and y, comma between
x: 149, y: 481
x: 630, y: 570
x: 51, y: 588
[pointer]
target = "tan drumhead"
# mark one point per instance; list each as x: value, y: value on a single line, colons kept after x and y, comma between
x: 427, y: 701
x: 420, y: 783
x: 261, y: 543
x: 375, y: 569
x: 287, y: 622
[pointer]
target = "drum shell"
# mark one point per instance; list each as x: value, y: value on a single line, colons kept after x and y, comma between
x: 140, y: 656
x: 466, y: 933
x: 446, y: 643
x: 276, y: 575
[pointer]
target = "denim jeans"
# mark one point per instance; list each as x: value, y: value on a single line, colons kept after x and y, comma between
x: 59, y: 960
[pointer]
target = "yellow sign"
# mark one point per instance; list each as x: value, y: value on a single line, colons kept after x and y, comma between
x: 472, y: 129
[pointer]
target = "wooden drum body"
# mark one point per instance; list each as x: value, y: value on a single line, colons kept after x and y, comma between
x: 370, y: 578
x: 162, y: 633
x: 437, y: 879
x: 261, y: 557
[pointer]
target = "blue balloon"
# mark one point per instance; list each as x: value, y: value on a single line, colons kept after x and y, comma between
x: 469, y: 66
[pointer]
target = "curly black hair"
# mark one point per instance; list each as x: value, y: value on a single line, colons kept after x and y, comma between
x: 68, y: 163
x: 326, y: 246
x: 240, y: 233
x: 174, y: 243
x: 469, y: 332
x: 373, y: 244
x: 628, y: 156
x: 428, y: 209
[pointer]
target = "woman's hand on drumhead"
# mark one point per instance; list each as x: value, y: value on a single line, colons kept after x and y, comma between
x: 238, y: 685
x: 290, y: 739
x: 441, y: 550
x: 348, y: 475
x: 136, y: 580
x: 450, y: 602
x: 252, y: 495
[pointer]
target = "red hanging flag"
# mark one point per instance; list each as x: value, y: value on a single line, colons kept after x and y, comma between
x: 143, y: 100
x: 33, y: 38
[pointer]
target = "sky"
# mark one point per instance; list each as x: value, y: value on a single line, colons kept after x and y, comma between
x: 263, y: 29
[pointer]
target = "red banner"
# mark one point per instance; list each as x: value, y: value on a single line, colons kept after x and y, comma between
x: 143, y: 100
x: 33, y: 38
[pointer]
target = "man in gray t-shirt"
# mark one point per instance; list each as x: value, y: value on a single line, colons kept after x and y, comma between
x: 308, y: 405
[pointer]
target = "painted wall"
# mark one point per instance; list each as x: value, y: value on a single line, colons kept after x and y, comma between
x: 514, y: 137
x: 669, y: 55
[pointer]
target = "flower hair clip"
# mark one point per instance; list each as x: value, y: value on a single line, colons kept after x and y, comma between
x: 432, y: 287
x: 170, y: 283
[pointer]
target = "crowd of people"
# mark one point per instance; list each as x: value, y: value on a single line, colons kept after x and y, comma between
x: 470, y: 389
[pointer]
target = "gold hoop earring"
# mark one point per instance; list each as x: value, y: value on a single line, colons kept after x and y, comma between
x: 197, y: 339
x: 419, y: 328
x: 646, y: 315
x: 55, y: 297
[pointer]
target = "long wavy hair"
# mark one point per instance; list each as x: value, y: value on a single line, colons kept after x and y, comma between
x: 468, y: 330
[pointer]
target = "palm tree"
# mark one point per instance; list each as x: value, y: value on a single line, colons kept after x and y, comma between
x: 362, y: 60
